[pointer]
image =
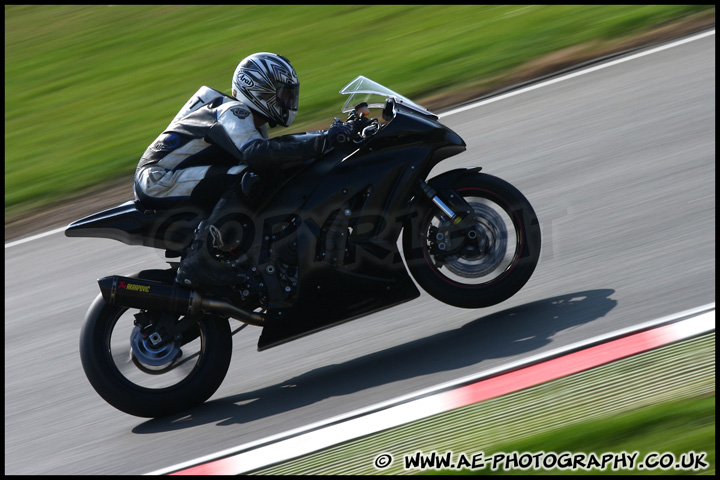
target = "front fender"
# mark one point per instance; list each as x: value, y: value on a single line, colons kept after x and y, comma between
x: 448, y: 179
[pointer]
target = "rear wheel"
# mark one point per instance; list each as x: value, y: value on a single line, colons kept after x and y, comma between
x: 148, y: 379
x: 481, y: 261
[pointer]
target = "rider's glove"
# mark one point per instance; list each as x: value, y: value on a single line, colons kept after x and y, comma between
x: 339, y: 133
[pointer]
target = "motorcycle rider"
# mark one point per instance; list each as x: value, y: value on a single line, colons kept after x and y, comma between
x: 217, y: 149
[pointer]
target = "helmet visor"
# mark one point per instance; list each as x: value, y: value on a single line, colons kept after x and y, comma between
x: 288, y: 96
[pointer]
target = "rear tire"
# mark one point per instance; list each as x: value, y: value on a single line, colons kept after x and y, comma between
x: 491, y: 267
x: 115, y: 373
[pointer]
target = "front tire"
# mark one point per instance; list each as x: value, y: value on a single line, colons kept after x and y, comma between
x: 132, y: 386
x: 490, y: 261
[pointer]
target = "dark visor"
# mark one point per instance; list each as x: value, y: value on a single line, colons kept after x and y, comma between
x: 288, y: 96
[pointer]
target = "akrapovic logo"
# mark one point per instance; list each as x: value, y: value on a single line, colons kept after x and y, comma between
x: 134, y: 287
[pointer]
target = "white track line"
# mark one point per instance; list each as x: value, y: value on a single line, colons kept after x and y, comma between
x: 489, y: 100
x: 34, y: 237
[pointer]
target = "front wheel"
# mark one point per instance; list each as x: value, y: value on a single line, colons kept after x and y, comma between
x: 482, y: 261
x: 146, y: 380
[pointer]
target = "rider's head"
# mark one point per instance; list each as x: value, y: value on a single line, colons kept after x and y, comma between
x: 268, y: 84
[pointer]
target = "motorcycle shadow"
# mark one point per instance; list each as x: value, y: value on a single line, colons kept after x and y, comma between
x: 517, y: 330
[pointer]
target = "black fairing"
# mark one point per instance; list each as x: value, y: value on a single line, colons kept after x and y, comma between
x: 375, y: 183
x: 132, y: 224
x: 363, y: 189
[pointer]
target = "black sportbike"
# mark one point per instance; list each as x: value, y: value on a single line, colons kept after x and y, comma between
x: 320, y: 249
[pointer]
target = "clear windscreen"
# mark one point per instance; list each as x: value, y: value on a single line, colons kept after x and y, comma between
x: 363, y: 89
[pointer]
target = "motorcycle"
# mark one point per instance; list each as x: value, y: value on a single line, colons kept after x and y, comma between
x: 321, y: 248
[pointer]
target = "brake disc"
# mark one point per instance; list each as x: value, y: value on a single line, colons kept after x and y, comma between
x: 486, y: 247
x: 152, y: 358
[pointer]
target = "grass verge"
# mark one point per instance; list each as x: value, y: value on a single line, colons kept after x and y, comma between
x: 87, y: 88
x: 676, y: 428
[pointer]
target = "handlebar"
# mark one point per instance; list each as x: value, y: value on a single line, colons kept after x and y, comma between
x: 362, y: 126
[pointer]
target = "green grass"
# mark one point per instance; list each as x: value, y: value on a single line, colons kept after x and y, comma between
x: 87, y: 88
x: 670, y: 427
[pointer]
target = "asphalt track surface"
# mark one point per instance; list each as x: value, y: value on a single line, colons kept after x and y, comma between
x: 619, y: 164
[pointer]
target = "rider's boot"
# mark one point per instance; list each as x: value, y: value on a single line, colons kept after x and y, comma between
x: 208, y: 264
x: 205, y: 266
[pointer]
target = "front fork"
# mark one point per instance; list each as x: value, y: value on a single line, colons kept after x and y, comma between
x: 460, y: 234
x: 452, y: 205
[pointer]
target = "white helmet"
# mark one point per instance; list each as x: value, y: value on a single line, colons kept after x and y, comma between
x: 268, y: 84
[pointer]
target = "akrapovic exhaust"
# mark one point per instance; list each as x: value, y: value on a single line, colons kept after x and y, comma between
x: 148, y: 295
